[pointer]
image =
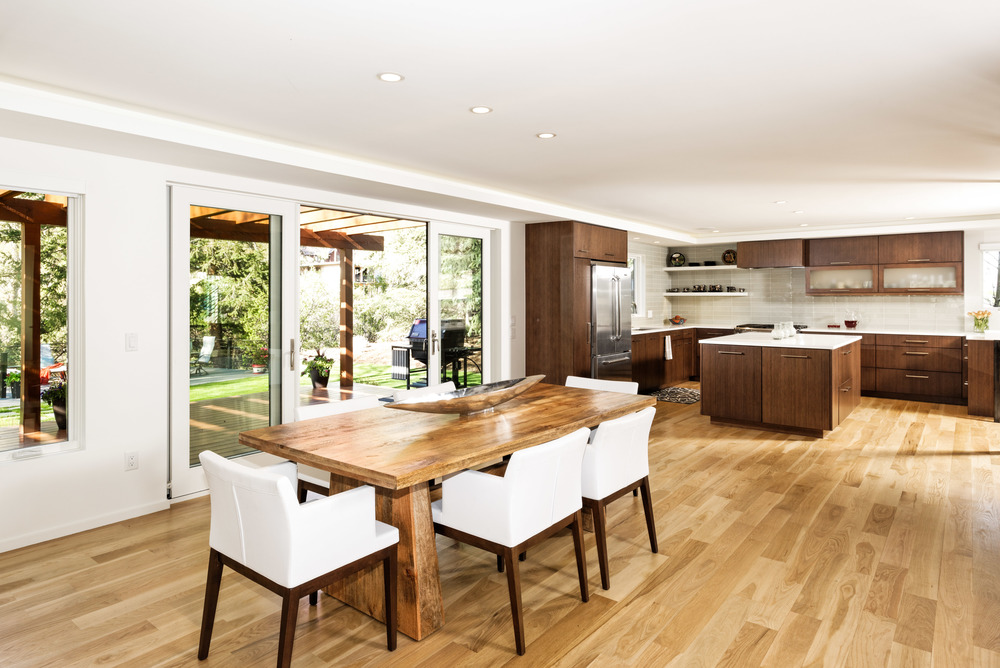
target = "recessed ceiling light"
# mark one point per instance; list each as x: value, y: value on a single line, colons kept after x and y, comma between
x: 803, y: 224
x: 546, y: 135
x: 656, y: 242
x: 481, y: 110
x: 910, y: 217
x: 635, y: 238
x: 390, y: 77
x: 715, y: 231
x: 780, y: 201
x: 798, y: 211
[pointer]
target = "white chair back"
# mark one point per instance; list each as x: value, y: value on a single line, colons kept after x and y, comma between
x: 337, y: 407
x: 207, y: 346
x: 251, y: 515
x: 618, y: 454
x: 545, y: 483
x: 399, y: 395
x: 623, y: 386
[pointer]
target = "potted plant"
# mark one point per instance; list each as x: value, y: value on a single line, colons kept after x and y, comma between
x: 55, y: 395
x: 258, y: 359
x: 14, y: 380
x: 318, y: 368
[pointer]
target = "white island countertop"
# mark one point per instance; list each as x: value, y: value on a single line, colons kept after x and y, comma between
x: 764, y: 340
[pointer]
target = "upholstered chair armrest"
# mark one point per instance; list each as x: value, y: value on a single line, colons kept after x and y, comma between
x: 476, y: 503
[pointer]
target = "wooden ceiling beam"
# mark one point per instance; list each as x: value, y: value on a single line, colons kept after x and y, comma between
x: 260, y: 233
x: 31, y: 211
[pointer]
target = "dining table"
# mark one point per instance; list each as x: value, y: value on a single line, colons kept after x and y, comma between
x: 400, y: 453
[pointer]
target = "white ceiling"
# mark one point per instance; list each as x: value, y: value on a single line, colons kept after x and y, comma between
x: 680, y: 117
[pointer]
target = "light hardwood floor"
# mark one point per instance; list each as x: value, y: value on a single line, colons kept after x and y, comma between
x: 877, y: 546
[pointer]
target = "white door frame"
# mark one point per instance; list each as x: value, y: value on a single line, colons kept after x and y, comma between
x: 434, y: 232
x: 185, y: 480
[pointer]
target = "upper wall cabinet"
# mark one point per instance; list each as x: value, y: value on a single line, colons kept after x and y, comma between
x: 777, y: 253
x: 600, y: 243
x: 924, y: 247
x: 843, y: 251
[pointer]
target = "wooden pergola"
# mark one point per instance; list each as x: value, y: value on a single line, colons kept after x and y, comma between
x: 346, y: 231
x: 31, y: 215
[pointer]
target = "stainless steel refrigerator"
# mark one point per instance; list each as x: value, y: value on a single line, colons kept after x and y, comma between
x: 611, y: 321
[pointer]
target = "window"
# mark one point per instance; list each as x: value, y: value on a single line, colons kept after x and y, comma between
x: 34, y: 319
x: 637, y: 263
x: 991, y: 275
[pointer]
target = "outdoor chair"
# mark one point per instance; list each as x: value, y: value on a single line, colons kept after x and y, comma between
x: 204, y: 357
x: 260, y: 531
x: 538, y: 495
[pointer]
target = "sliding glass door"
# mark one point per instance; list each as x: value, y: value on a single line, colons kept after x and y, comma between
x: 233, y: 265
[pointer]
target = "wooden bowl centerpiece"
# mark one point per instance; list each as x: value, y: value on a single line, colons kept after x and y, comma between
x: 468, y: 400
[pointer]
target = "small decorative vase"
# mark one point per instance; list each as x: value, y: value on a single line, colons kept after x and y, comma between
x: 980, y: 325
x: 318, y: 380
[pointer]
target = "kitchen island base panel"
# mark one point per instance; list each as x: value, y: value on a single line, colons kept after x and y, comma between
x: 766, y: 426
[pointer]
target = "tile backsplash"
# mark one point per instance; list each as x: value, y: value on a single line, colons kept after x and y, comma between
x: 779, y: 294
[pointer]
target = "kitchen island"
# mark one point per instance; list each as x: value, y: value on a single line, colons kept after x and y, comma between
x: 804, y: 384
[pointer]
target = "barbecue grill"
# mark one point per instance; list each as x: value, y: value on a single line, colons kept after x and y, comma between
x: 452, y: 337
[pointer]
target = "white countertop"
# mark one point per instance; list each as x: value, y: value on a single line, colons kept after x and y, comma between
x: 991, y: 334
x: 764, y: 340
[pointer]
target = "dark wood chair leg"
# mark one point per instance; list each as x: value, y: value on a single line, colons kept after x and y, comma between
x: 212, y: 586
x: 647, y: 506
x: 286, y: 636
x: 523, y: 556
x: 302, y: 491
x: 514, y: 588
x: 313, y: 598
x: 601, y: 536
x: 499, y: 563
x: 635, y: 492
x: 581, y: 555
x: 389, y: 569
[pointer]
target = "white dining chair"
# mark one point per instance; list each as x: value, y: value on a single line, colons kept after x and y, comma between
x: 615, y: 462
x: 623, y: 386
x: 539, y: 494
x: 412, y: 393
x: 312, y: 479
x: 260, y: 531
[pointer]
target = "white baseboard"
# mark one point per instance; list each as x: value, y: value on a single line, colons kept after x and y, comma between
x: 48, y: 533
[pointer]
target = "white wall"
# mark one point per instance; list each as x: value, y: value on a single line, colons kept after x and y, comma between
x: 125, y: 289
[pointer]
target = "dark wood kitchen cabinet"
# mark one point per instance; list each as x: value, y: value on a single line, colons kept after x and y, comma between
x: 775, y: 253
x: 919, y: 367
x: 651, y: 369
x: 557, y: 294
x: 701, y: 334
x: 921, y: 247
x: 736, y: 395
x: 843, y: 251
x: 981, y: 381
x: 797, y: 391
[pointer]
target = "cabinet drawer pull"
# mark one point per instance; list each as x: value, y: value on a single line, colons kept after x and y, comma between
x: 912, y: 376
x: 911, y: 352
x: 847, y: 352
x: 610, y: 254
x: 923, y: 259
x: 841, y: 262
x: 914, y: 341
x: 846, y: 389
x: 583, y: 250
x: 798, y: 357
x: 729, y: 352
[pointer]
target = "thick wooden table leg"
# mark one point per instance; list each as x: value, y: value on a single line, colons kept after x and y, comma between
x: 420, y: 604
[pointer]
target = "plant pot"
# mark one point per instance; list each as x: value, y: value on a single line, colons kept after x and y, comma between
x: 318, y: 379
x: 60, y: 413
x: 15, y: 388
x: 258, y: 368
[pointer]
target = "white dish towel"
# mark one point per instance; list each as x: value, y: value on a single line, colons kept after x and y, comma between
x: 668, y: 351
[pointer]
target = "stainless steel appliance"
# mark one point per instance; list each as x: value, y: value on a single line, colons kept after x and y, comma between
x: 610, y: 321
x: 762, y: 327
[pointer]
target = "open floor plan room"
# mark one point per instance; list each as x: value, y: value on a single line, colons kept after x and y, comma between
x: 875, y: 546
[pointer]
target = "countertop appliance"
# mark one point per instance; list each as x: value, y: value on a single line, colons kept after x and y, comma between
x: 610, y: 321
x: 762, y: 327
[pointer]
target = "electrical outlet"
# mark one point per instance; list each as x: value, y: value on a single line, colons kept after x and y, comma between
x: 131, y: 461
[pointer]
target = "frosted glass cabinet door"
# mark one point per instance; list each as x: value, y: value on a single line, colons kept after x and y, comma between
x: 852, y: 279
x: 943, y: 278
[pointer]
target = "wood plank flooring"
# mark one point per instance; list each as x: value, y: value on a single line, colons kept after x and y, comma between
x: 877, y: 546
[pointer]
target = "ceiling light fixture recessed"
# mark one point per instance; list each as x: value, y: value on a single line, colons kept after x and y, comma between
x: 803, y: 224
x: 715, y: 231
x: 390, y: 77
x: 780, y: 201
x: 546, y: 135
x: 910, y: 217
x: 798, y: 211
x: 480, y: 110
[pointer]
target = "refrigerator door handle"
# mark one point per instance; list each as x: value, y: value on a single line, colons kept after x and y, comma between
x: 616, y: 308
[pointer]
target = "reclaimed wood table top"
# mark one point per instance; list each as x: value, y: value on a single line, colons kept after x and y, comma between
x: 396, y: 449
